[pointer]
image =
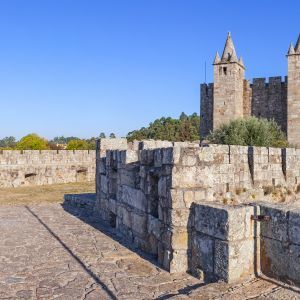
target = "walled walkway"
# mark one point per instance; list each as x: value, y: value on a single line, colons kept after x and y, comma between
x: 49, y: 253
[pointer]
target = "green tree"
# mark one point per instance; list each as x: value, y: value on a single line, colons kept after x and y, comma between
x: 8, y: 142
x: 78, y: 145
x: 63, y: 140
x: 249, y: 132
x: 102, y: 135
x: 112, y: 136
x: 32, y: 142
x: 186, y: 128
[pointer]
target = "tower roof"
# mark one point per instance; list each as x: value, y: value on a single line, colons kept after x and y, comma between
x: 297, y: 47
x: 217, y: 58
x: 291, y: 50
x: 229, y: 54
x: 296, y: 50
x: 241, y: 62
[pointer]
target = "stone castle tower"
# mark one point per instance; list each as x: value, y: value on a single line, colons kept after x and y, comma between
x: 228, y: 85
x: 293, y: 96
x: 231, y: 96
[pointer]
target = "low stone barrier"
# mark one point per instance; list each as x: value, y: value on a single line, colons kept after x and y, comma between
x: 223, y: 242
x: 34, y: 167
x: 280, y: 242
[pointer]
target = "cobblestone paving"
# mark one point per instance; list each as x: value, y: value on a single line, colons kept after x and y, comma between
x: 47, y: 252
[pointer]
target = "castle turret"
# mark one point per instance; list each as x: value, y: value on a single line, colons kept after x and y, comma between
x: 229, y: 72
x: 293, y: 97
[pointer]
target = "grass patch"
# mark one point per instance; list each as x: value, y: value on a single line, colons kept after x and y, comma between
x: 43, y: 193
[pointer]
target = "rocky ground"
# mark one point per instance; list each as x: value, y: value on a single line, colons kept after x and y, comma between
x: 51, y: 252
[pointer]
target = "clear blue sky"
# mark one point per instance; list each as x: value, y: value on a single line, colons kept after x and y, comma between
x: 70, y: 67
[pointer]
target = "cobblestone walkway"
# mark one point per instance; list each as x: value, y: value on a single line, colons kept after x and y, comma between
x: 49, y: 253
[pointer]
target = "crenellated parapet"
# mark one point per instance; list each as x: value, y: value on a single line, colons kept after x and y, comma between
x: 42, y: 167
x: 269, y: 99
x: 190, y: 206
x: 234, y: 97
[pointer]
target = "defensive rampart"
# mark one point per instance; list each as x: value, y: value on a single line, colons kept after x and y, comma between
x: 263, y: 98
x: 198, y: 208
x: 34, y: 167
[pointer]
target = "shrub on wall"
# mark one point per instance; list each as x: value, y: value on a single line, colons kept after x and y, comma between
x: 249, y: 132
x: 32, y: 142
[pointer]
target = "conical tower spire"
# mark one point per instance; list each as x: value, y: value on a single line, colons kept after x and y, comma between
x: 291, y: 50
x: 229, y: 54
x: 297, y: 47
x: 217, y: 58
x: 241, y: 62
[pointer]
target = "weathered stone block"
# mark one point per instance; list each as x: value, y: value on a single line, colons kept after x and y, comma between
x: 129, y: 178
x: 178, y: 217
x: 158, y: 157
x: 280, y: 260
x: 224, y: 222
x: 179, y: 239
x: 147, y: 157
x: 132, y: 157
x: 112, y: 205
x: 294, y: 226
x: 200, y: 195
x: 189, y: 198
x: 191, y: 177
x: 126, y: 217
x: 154, y: 226
x: 203, y: 253
x: 179, y: 261
x: 234, y: 260
x: 139, y: 223
x: 134, y: 197
x: 189, y: 160
x: 162, y: 187
x: 277, y: 227
x: 167, y: 158
x: 175, y: 199
x: 104, y: 187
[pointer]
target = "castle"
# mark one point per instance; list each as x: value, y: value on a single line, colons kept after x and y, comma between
x: 231, y: 96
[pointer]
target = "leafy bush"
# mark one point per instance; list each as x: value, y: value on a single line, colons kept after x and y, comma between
x: 32, y: 142
x: 77, y: 145
x: 186, y: 128
x: 249, y: 132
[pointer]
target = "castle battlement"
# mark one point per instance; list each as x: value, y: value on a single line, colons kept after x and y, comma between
x: 231, y: 96
x: 41, y: 167
x: 269, y: 81
x: 193, y: 207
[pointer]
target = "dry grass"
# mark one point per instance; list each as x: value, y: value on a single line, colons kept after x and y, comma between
x: 43, y: 194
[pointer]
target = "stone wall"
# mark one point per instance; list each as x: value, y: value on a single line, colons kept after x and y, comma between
x: 181, y: 202
x: 220, y: 247
x: 269, y: 99
x: 34, y: 167
x: 264, y: 98
x: 280, y: 242
x: 293, y: 112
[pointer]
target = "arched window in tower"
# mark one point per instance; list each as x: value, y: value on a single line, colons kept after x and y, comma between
x: 225, y: 70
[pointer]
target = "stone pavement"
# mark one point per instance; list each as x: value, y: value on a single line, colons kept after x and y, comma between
x: 47, y: 252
